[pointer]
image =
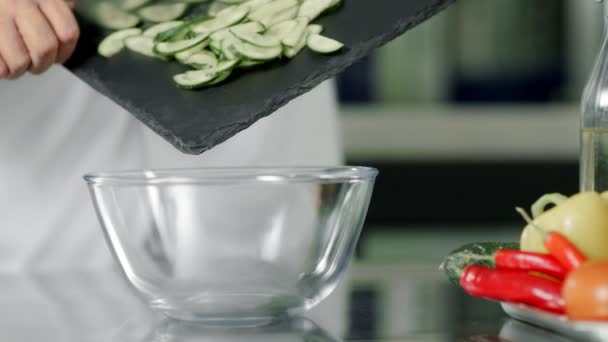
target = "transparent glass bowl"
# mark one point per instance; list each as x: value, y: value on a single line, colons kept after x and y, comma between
x: 233, y: 244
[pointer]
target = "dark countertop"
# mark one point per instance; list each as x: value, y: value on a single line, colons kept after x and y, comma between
x: 377, y: 302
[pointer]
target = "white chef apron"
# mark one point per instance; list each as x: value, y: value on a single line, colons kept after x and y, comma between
x: 54, y: 128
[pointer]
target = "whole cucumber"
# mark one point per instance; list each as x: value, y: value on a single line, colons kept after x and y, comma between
x: 477, y: 253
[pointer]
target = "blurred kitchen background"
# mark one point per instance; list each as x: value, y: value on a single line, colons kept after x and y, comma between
x: 470, y: 114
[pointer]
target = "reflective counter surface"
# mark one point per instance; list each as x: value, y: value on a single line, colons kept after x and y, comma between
x: 377, y: 302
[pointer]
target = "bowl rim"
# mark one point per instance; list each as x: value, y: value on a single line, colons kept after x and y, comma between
x: 232, y: 175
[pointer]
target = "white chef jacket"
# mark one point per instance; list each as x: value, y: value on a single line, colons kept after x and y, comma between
x: 54, y: 128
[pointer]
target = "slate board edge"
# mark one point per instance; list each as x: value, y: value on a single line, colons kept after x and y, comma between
x: 329, y: 71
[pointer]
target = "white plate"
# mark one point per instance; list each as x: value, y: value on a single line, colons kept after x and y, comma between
x: 590, y: 331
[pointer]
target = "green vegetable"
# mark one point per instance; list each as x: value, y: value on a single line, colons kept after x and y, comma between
x: 115, y: 42
x: 478, y: 253
x: 237, y: 34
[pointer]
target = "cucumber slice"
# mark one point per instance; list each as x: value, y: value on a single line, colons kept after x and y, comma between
x: 115, y: 42
x: 315, y: 29
x: 253, y: 4
x: 250, y: 51
x: 216, y: 7
x: 163, y: 12
x: 228, y: 50
x: 194, y: 79
x: 216, y: 47
x: 142, y: 45
x: 220, y: 78
x: 271, y: 9
x: 281, y: 29
x: 287, y: 14
x: 171, y: 48
x: 153, y: 31
x: 180, y: 32
x: 295, y: 35
x: 257, y: 39
x: 112, y: 17
x: 247, y: 27
x: 234, y: 16
x: 184, y: 55
x: 321, y: 44
x: 252, y: 27
x: 129, y: 5
x: 312, y: 9
x: 291, y: 52
x: 246, y: 64
x: 232, y: 2
x: 198, y: 78
x: 201, y: 60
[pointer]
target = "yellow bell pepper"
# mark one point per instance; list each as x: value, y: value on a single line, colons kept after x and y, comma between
x: 583, y: 219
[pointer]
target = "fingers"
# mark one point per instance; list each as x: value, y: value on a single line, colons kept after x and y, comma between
x: 12, y: 49
x: 3, y: 68
x: 62, y: 20
x: 72, y: 3
x: 38, y: 35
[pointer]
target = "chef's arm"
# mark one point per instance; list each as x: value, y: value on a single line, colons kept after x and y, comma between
x: 35, y: 34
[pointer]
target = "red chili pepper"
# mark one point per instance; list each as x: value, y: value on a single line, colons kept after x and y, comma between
x: 563, y: 250
x: 514, y: 287
x: 528, y: 261
x: 558, y: 245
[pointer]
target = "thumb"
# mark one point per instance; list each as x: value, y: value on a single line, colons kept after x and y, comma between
x: 71, y: 3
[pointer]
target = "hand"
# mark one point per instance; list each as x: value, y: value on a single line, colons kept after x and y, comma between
x: 35, y: 34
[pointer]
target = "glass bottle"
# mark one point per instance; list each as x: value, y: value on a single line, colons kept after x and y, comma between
x: 594, y: 123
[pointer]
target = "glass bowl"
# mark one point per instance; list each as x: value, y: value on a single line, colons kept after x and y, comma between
x: 240, y: 245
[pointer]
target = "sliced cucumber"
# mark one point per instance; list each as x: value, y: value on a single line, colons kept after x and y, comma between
x: 312, y: 9
x: 253, y: 4
x: 295, y: 35
x: 216, y: 7
x: 284, y: 15
x: 171, y: 48
x: 250, y: 51
x: 112, y: 17
x: 321, y: 44
x: 216, y: 46
x: 291, y: 52
x: 198, y: 78
x: 220, y: 78
x: 184, y: 55
x: 281, y: 29
x: 253, y: 27
x: 271, y: 8
x: 245, y: 64
x: 241, y: 33
x: 315, y: 29
x: 226, y: 32
x: 236, y: 15
x: 194, y: 79
x: 228, y: 50
x: 257, y: 39
x: 129, y: 5
x: 180, y: 32
x: 163, y: 12
x: 142, y: 45
x: 201, y: 60
x: 153, y: 31
x: 115, y: 42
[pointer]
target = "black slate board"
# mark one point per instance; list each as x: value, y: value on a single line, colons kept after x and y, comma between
x: 196, y: 121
